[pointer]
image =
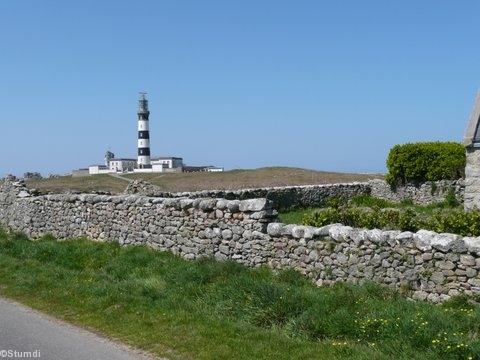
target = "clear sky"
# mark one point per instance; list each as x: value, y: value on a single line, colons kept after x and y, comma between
x: 328, y: 85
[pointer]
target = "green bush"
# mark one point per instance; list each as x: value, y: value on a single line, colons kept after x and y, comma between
x: 427, y: 161
x: 450, y: 198
x: 371, y: 201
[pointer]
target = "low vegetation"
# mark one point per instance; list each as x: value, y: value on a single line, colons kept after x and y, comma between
x: 369, y: 212
x: 222, y: 310
x: 94, y: 183
x: 425, y: 161
x: 179, y: 182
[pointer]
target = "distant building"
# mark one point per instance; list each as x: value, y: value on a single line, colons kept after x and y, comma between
x: 202, y: 169
x: 122, y: 165
x: 98, y: 169
x: 214, y: 169
x: 168, y: 162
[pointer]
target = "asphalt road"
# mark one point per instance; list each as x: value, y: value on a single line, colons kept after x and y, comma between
x: 25, y: 330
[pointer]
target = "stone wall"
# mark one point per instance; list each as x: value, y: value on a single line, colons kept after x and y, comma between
x: 190, y: 227
x: 424, y: 265
x: 305, y: 196
x: 425, y: 193
x: 283, y: 197
x: 472, y: 179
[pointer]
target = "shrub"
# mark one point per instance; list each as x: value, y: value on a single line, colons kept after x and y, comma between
x: 32, y: 175
x: 455, y: 221
x: 450, y: 198
x: 371, y: 201
x: 428, y: 161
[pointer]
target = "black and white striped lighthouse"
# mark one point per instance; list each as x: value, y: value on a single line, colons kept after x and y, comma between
x: 143, y: 133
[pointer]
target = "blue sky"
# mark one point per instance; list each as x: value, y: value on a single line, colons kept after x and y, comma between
x: 328, y: 85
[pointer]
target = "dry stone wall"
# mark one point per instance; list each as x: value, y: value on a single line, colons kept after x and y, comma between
x: 425, y: 193
x: 472, y: 179
x: 425, y: 265
x: 189, y: 227
x: 286, y: 197
x: 283, y: 197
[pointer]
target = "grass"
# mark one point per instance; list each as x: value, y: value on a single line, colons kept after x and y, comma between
x: 294, y: 216
x: 101, y: 183
x: 179, y: 182
x: 213, y: 310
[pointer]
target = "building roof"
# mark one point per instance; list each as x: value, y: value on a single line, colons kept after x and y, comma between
x: 201, y: 167
x: 472, y: 134
x: 166, y: 158
x: 122, y: 159
x: 100, y: 166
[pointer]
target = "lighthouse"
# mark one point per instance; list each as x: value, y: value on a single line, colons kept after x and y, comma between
x: 143, y: 134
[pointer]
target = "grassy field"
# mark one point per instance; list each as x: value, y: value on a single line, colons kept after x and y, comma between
x: 177, y: 182
x: 242, y: 179
x: 103, y: 183
x: 211, y: 310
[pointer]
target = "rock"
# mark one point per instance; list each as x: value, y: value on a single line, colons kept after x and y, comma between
x: 472, y: 244
x: 23, y: 194
x: 299, y: 231
x: 471, y: 272
x: 275, y: 229
x: 423, y: 239
x: 227, y: 234
x: 339, y: 233
x: 376, y: 236
x: 437, y: 278
x: 324, y: 230
x: 427, y: 256
x: 254, y: 205
x: 445, y: 265
x: 262, y: 214
x: 474, y: 282
x: 313, y: 255
x: 420, y: 295
x: 404, y: 237
x: 342, y: 259
x: 467, y: 260
x: 444, y: 242
x: 233, y: 206
x: 220, y: 257
x: 222, y: 204
x: 208, y: 204
x: 224, y: 249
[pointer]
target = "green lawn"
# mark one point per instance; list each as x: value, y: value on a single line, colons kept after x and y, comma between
x: 211, y: 310
x: 294, y: 216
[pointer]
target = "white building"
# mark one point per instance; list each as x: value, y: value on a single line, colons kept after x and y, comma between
x: 98, y: 169
x: 214, y: 169
x: 122, y: 165
x: 167, y: 162
x: 202, y: 169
